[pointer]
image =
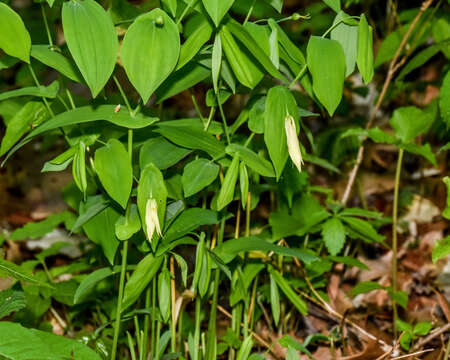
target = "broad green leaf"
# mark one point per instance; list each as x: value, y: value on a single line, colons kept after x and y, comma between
x: 326, y: 62
x: 197, y: 175
x: 87, y: 114
x: 422, y: 150
x: 247, y: 344
x: 14, y: 37
x: 61, y: 162
x: 422, y: 328
x: 363, y: 229
x: 195, y: 41
x: 389, y: 45
x: 409, y: 122
x: 162, y: 153
x: 41, y: 91
x: 365, y: 287
x: 441, y: 249
x: 92, y: 41
x: 192, y: 138
x: 151, y: 186
x: 188, y: 221
x: 171, y: 5
x: 286, y: 288
x: 31, y: 114
x: 185, y: 78
x: 52, y: 58
x: 35, y: 230
x: 251, y: 159
x: 94, y: 208
x: 104, y: 220
x: 240, y: 59
x: 444, y: 99
x: 79, y: 168
x: 292, y: 354
x: 164, y: 293
x: 90, y: 281
x: 216, y: 62
x: 183, y: 267
x: 273, y: 44
x: 217, y: 9
x: 274, y: 300
x: 441, y: 33
x: 280, y: 103
x: 231, y: 248
x: 150, y: 51
x: 10, y: 269
x: 7, y: 61
x: 113, y: 166
x: 289, y: 342
x: 226, y: 193
x: 333, y: 233
x: 145, y: 270
x: 347, y: 36
x: 24, y: 344
x: 334, y: 4
x: 400, y: 297
x: 365, y: 50
x: 276, y: 4
x: 256, y: 116
x: 129, y: 224
x: 11, y: 301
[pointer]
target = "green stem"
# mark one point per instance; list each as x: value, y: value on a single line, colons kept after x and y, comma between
x: 394, y: 236
x: 186, y: 9
x: 197, y: 108
x: 153, y: 333
x: 47, y: 29
x: 36, y: 81
x: 146, y: 319
x: 198, y: 304
x: 249, y: 13
x: 158, y: 337
x: 224, y: 120
x: 337, y: 24
x: 173, y: 318
x: 122, y: 93
x: 69, y: 96
x: 119, y: 300
x: 299, y: 76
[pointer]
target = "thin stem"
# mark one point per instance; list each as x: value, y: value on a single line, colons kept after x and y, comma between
x: 153, y: 333
x: 249, y: 13
x: 119, y: 299
x: 47, y: 29
x: 158, y: 337
x: 36, y: 81
x: 394, y: 236
x: 173, y: 325
x: 146, y: 320
x: 337, y: 24
x: 224, y: 121
x: 197, y: 108
x: 299, y: 76
x: 69, y: 96
x: 122, y: 93
x: 198, y: 304
x: 248, y: 214
x: 210, y: 117
x: 186, y: 9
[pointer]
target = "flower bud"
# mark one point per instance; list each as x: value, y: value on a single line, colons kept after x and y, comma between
x: 151, y: 218
x: 292, y: 142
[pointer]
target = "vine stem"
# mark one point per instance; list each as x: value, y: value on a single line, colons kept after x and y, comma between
x: 394, y: 237
x: 393, y: 67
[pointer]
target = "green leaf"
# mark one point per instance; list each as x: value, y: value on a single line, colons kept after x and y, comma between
x: 87, y: 114
x: 94, y: 207
x: 363, y: 229
x: 216, y: 62
x: 247, y: 344
x: 292, y: 354
x: 35, y: 230
x: 422, y: 150
x: 256, y: 116
x: 326, y: 62
x: 41, y: 91
x: 188, y: 221
x: 418, y: 60
x: 79, y: 168
x: 193, y: 44
x: 14, y: 37
x: 11, y: 301
x: 150, y: 51
x: 361, y: 212
x: 23, y: 344
x: 197, y: 175
x: 151, y: 186
x: 441, y: 249
x: 164, y: 293
x: 52, y: 58
x: 280, y: 103
x: 10, y: 269
x: 226, y: 193
x: 334, y: 4
x: 333, y: 233
x: 444, y: 99
x: 364, y: 58
x: 251, y: 159
x: 400, y: 297
x: 231, y: 248
x: 365, y: 287
x: 243, y: 183
x: 140, y: 278
x: 348, y: 260
x: 104, y: 220
x: 217, y: 9
x: 129, y: 224
x: 289, y: 342
x: 274, y: 300
x: 276, y: 4
x: 409, y: 122
x: 183, y: 267
x: 446, y: 212
x: 171, y: 5
x: 273, y: 43
x: 192, y: 138
x: 90, y: 281
x: 242, y: 62
x: 347, y: 36
x: 161, y: 152
x: 422, y: 328
x: 31, y: 114
x: 286, y: 288
x: 113, y: 166
x: 92, y: 41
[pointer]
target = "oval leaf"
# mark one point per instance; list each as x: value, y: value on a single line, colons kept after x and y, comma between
x: 150, y: 51
x: 364, y: 57
x: 14, y: 37
x: 197, y: 175
x: 217, y: 9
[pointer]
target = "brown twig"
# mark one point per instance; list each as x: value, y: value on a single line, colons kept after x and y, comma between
x: 412, y: 354
x: 393, y: 67
x: 432, y: 335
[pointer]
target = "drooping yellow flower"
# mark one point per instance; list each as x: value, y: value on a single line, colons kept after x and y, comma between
x: 151, y: 218
x: 292, y: 142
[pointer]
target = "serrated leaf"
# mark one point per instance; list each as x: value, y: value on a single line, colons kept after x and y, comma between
x: 150, y: 51
x: 92, y: 41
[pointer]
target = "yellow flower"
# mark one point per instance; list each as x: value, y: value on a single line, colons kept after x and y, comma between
x: 151, y: 218
x: 292, y: 142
